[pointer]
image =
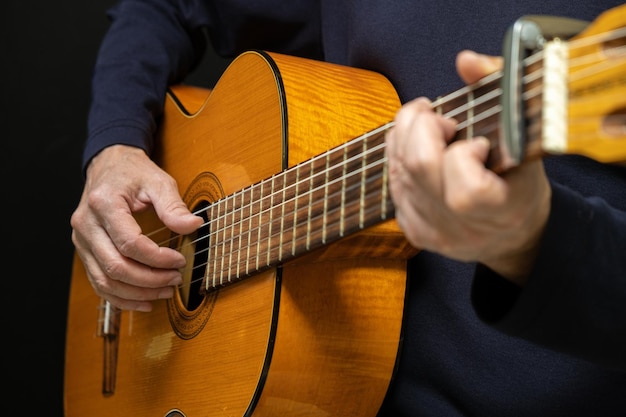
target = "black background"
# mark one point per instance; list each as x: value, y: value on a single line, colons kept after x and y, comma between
x: 48, y: 50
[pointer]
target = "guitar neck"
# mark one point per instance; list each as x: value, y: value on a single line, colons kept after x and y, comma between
x: 312, y: 204
x: 344, y: 190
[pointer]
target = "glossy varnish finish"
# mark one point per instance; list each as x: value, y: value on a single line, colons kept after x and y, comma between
x: 317, y: 335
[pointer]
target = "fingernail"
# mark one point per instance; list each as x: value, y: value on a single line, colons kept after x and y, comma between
x: 166, y: 293
x: 176, y: 281
x: 490, y: 63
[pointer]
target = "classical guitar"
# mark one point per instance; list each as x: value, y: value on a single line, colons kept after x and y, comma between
x: 293, y: 295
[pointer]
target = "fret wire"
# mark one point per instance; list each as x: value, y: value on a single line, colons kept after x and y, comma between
x: 482, y: 116
x: 208, y: 249
x: 295, y: 216
x: 260, y: 223
x: 363, y: 179
x: 493, y: 94
x: 241, y: 217
x: 313, y: 160
x: 249, y: 231
x: 224, y: 237
x: 463, y: 91
x: 327, y: 176
x: 308, y: 231
x: 233, y: 236
x: 216, y: 243
x: 470, y: 114
x: 312, y: 219
x: 282, y: 221
x: 311, y: 181
x: 369, y: 218
x: 385, y: 191
x: 261, y: 214
x: 271, y: 215
x: 343, y: 192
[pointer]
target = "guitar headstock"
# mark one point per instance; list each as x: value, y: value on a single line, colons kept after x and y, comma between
x: 596, y: 90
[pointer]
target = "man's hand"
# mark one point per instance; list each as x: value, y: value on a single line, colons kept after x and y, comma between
x: 124, y: 266
x: 447, y: 201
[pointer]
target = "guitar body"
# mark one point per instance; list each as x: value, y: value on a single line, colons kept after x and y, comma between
x: 317, y: 336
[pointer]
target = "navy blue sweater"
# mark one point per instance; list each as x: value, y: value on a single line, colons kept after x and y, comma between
x: 474, y: 344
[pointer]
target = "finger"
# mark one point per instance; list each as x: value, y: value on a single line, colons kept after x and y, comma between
x: 472, y: 66
x: 421, y: 140
x: 471, y: 189
x: 104, y: 260
x: 169, y: 206
x: 122, y: 229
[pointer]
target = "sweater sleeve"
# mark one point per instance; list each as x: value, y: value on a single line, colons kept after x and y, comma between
x: 152, y: 44
x: 575, y: 298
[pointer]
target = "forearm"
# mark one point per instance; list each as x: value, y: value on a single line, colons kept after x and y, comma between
x: 575, y: 295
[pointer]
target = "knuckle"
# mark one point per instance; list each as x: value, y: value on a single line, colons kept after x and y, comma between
x: 128, y: 246
x: 113, y: 269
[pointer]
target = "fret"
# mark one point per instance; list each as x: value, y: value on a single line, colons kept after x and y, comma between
x: 476, y: 109
x: 270, y: 222
x: 259, y: 227
x: 215, y: 241
x: 470, y: 114
x: 374, y: 179
x: 283, y: 206
x: 310, y: 206
x: 325, y: 211
x: 199, y: 250
x: 385, y: 199
x: 289, y: 205
x: 296, y: 198
x: 485, y: 117
x: 335, y: 198
x: 224, y: 243
x: 233, y: 237
x: 251, y: 226
x: 317, y: 202
x: 342, y: 211
x: 363, y: 183
x: 351, y: 191
x: 332, y: 193
x: 242, y: 216
x: 277, y: 208
x: 302, y: 207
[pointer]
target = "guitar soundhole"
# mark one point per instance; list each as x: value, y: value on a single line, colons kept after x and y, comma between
x: 175, y: 413
x: 200, y: 259
x: 191, y: 307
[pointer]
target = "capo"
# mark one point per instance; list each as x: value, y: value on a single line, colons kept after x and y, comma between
x: 526, y: 36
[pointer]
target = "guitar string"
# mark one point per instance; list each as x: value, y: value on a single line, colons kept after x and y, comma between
x: 493, y: 94
x: 584, y: 60
x: 309, y: 219
x: 228, y: 269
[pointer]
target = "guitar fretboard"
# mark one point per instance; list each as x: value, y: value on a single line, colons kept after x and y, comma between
x: 312, y: 204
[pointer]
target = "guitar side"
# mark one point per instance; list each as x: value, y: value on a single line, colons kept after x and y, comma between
x: 317, y: 336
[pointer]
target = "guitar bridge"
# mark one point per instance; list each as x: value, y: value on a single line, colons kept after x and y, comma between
x: 108, y: 329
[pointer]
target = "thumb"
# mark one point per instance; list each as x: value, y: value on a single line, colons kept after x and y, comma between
x: 472, y: 66
x: 174, y: 213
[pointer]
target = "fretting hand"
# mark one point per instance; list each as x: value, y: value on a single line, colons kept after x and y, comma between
x: 448, y: 202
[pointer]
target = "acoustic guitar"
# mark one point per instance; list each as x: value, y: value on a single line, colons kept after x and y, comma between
x: 293, y: 296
